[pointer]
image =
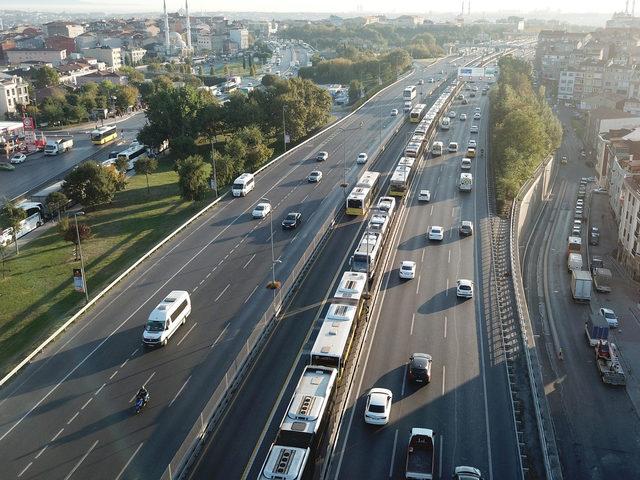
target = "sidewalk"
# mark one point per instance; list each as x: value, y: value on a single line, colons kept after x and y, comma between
x: 624, y: 296
x: 84, y: 127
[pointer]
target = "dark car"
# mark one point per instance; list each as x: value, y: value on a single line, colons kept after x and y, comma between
x: 466, y: 228
x: 594, y: 236
x: 419, y: 370
x: 292, y: 220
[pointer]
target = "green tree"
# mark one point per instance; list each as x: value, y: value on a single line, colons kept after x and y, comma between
x: 122, y: 163
x: 133, y: 74
x: 69, y: 233
x: 252, y: 71
x: 10, y: 217
x: 355, y: 90
x: 147, y: 166
x: 90, y: 185
x: 126, y: 96
x: 194, y: 174
x: 226, y: 70
x: 212, y: 71
x: 200, y: 70
x: 3, y: 259
x: 257, y: 151
x: 46, y: 77
x: 57, y: 203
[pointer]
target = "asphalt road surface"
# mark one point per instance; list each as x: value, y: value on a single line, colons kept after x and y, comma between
x: 69, y: 413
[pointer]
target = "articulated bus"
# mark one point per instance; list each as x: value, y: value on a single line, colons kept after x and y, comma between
x: 417, y: 113
x: 400, y: 180
x: 414, y: 150
x: 363, y: 194
x: 333, y: 343
x: 409, y: 93
x: 365, y: 258
x: 351, y: 290
x: 103, y: 135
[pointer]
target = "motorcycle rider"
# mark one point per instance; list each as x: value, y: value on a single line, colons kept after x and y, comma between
x: 142, y: 394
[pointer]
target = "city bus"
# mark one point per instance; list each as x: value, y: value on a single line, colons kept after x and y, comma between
x: 400, y: 180
x: 409, y: 92
x: 365, y: 257
x: 333, y: 343
x: 437, y: 148
x: 132, y: 153
x: 363, y: 194
x: 417, y: 113
x: 103, y: 135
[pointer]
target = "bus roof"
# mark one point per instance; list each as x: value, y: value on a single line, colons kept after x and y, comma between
x: 333, y: 336
x: 133, y: 149
x: 369, y: 243
x: 103, y: 129
x: 358, y: 193
x: 368, y: 179
x: 285, y: 463
x: 401, y: 174
x: 351, y: 286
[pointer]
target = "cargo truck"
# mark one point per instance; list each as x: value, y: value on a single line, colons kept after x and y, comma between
x: 420, y: 455
x: 597, y: 329
x: 608, y: 363
x: 575, y: 244
x: 60, y: 145
x: 581, y: 285
x: 602, y: 279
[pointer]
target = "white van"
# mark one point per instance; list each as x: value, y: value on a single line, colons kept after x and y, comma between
x: 465, y: 164
x: 165, y: 319
x: 243, y: 185
x: 453, y: 147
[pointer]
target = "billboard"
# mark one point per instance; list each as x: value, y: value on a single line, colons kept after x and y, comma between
x: 476, y: 74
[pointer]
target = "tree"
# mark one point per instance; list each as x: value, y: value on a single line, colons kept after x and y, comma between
x: 200, y: 70
x: 90, y: 184
x: 194, y: 176
x: 122, y: 163
x: 355, y: 90
x: 126, y: 96
x: 146, y: 166
x: 46, y: 77
x: 57, y: 202
x: 133, y: 74
x: 10, y: 217
x: 212, y: 71
x: 257, y: 151
x: 67, y: 229
x: 226, y: 70
x: 253, y: 71
x: 3, y: 259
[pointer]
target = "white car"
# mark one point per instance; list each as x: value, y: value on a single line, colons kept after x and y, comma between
x: 464, y: 288
x: 362, y: 158
x: 472, y: 143
x: 453, y: 147
x: 407, y: 270
x: 394, y: 112
x: 315, y: 176
x: 477, y: 109
x: 18, y: 158
x: 610, y: 316
x: 452, y: 114
x: 322, y: 156
x: 463, y: 116
x: 424, y: 196
x: 474, y: 129
x: 378, y: 409
x: 476, y: 116
x: 436, y: 233
x: 262, y: 210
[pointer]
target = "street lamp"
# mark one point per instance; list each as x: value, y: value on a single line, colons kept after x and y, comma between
x: 84, y: 278
x: 273, y: 257
x: 213, y: 162
x: 284, y: 129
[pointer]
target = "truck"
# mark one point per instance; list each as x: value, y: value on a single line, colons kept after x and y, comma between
x: 574, y: 244
x: 574, y: 262
x: 608, y: 363
x: 581, y: 285
x: 602, y: 279
x: 420, y: 455
x: 60, y: 145
x: 597, y: 329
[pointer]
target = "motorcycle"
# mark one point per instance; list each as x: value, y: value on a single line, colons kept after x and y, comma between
x: 141, y: 402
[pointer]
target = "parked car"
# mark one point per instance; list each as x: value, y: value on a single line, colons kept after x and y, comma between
x: 610, y: 316
x: 262, y: 210
x: 292, y: 220
x: 378, y: 409
x: 315, y: 176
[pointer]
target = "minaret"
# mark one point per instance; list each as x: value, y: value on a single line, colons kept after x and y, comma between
x: 469, y: 7
x: 186, y: 4
x: 166, y: 29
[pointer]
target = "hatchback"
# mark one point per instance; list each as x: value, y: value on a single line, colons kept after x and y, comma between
x: 362, y: 158
x: 262, y: 210
x: 315, y: 176
x: 424, y: 196
x: 18, y: 158
x: 394, y: 112
x: 466, y: 228
x: 463, y: 116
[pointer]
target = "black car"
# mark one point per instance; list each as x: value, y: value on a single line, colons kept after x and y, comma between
x: 292, y: 220
x: 419, y: 370
x: 466, y: 228
x: 594, y: 236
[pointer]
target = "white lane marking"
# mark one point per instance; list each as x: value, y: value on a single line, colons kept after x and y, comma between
x: 220, y: 336
x: 226, y: 256
x: 404, y: 380
x: 249, y: 261
x: 445, y: 326
x: 252, y: 292
x: 295, y: 236
x: 86, y: 403
x: 41, y: 452
x: 113, y: 375
x: 413, y: 319
x: 393, y: 453
x: 220, y: 262
x: 73, y: 418
x: 56, y: 435
x: 449, y: 257
x: 209, y: 274
x: 180, y: 391
x: 81, y: 460
x: 134, y: 352
x: 418, y: 285
x: 440, y: 456
x: 100, y: 389
x: 222, y: 293
x: 444, y: 371
x: 195, y: 288
x: 438, y: 180
x: 201, y: 281
x: 148, y: 379
x: 25, y: 469
x: 305, y: 198
x: 453, y: 211
x: 129, y: 461
x: 431, y: 212
x: 422, y: 256
x: 124, y: 363
x: 188, y: 332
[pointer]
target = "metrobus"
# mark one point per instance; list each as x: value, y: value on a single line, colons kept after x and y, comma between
x: 437, y: 148
x: 365, y: 258
x: 400, y: 180
x: 414, y: 149
x: 131, y: 154
x: 409, y: 92
x: 417, y: 113
x: 333, y: 343
x: 363, y: 194
x: 351, y: 290
x: 103, y: 135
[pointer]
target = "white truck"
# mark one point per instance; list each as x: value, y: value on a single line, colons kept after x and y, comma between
x: 60, y: 145
x: 609, y: 365
x: 581, y: 285
x: 574, y: 262
x: 466, y: 182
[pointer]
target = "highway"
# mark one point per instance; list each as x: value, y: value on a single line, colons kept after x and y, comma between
x: 39, y: 168
x: 69, y: 413
x: 467, y: 403
x: 596, y: 425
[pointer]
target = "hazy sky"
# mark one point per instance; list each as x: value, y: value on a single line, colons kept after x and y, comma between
x: 338, y: 6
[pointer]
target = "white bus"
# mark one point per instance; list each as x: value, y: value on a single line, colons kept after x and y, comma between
x: 466, y: 182
x: 333, y: 343
x: 34, y: 218
x: 286, y: 462
x: 363, y: 194
x: 365, y: 257
x: 351, y: 289
x: 417, y: 113
x: 243, y: 185
x: 437, y: 148
x: 409, y: 92
x: 400, y: 180
x: 132, y: 153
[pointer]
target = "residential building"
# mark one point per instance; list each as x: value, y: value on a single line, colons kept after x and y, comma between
x: 240, y: 36
x: 112, y: 57
x: 6, y: 44
x: 86, y: 40
x: 64, y: 29
x: 58, y: 42
x: 14, y: 92
x: 49, y: 55
x: 609, y: 145
x: 134, y: 55
x: 623, y: 20
x: 408, y: 21
x: 101, y: 76
x: 603, y: 120
x: 554, y: 50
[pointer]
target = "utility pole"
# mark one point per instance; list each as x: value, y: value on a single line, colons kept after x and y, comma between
x: 284, y: 129
x: 213, y: 163
x: 84, y: 277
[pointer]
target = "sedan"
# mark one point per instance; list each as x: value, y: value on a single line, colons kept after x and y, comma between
x: 362, y: 158
x: 452, y: 114
x: 262, y: 210
x: 378, y: 407
x: 292, y: 220
x: 474, y: 129
x: 322, y: 156
x: 466, y: 228
x: 466, y: 473
x: 463, y: 117
x: 6, y: 166
x: 610, y: 316
x: 419, y: 370
x: 407, y: 270
x: 436, y: 233
x: 18, y: 158
x: 315, y: 176
x: 477, y: 116
x: 563, y: 160
x: 424, y: 196
x: 394, y: 112
x: 473, y: 144
x: 464, y: 288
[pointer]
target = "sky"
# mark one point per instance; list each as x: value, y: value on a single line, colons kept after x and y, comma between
x: 333, y: 6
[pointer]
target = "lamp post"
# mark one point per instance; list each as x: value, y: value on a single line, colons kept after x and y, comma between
x: 273, y: 257
x: 284, y: 129
x: 84, y: 278
x: 213, y: 162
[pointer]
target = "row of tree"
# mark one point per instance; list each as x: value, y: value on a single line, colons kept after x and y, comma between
x: 524, y: 129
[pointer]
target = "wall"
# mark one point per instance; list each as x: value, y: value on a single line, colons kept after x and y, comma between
x: 532, y: 201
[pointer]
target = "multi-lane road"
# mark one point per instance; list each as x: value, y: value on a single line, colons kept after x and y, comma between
x: 69, y: 413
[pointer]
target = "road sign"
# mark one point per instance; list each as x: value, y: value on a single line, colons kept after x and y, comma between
x: 78, y: 280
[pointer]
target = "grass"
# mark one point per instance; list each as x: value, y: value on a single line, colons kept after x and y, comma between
x: 37, y: 294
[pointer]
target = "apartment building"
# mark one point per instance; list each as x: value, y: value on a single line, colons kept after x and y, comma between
x: 47, y: 55
x: 240, y: 36
x: 60, y: 42
x: 13, y: 93
x: 134, y: 55
x: 112, y: 57
x: 65, y: 29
